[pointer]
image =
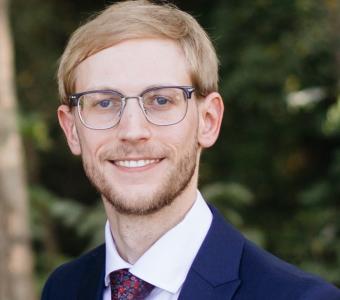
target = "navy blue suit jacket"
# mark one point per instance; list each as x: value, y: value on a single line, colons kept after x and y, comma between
x: 227, y: 267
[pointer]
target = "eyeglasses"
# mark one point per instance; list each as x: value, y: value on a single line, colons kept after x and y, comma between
x: 103, y: 109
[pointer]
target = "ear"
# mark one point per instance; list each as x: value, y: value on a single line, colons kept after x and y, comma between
x: 67, y: 123
x: 210, y: 114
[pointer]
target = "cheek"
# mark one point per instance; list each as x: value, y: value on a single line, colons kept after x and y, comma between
x: 91, y: 143
x: 182, y: 138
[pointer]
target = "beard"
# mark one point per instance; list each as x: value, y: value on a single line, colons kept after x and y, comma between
x: 171, y: 184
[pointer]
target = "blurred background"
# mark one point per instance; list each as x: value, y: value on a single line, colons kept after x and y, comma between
x: 274, y: 172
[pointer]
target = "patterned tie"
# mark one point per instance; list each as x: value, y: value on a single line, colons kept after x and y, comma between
x: 126, y: 286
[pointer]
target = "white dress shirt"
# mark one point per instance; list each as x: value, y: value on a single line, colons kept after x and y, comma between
x: 167, y: 262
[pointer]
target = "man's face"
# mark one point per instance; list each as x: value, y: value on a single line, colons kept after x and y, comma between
x: 138, y: 167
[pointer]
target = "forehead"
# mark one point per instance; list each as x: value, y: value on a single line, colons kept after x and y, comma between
x: 134, y: 65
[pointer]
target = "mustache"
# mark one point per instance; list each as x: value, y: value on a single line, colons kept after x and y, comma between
x: 123, y: 151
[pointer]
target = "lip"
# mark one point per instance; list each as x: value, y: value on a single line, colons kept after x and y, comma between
x: 136, y: 164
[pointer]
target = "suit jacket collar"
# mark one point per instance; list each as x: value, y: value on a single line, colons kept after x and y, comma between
x: 215, y: 271
x: 92, y: 283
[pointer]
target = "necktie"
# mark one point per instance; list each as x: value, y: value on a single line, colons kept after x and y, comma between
x: 126, y: 286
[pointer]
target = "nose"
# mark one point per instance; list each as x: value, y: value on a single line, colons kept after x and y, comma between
x: 133, y: 126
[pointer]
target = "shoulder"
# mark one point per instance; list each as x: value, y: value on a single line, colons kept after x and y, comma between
x: 261, y: 274
x: 264, y: 274
x: 64, y: 282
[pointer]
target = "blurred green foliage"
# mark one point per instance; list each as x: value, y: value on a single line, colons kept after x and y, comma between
x: 275, y: 170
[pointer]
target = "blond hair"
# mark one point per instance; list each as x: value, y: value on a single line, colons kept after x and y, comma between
x: 141, y: 19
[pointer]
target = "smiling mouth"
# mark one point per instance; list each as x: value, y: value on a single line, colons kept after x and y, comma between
x: 135, y: 163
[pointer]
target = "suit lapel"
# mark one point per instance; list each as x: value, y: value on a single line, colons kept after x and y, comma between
x: 199, y: 289
x: 92, y: 283
x: 214, y: 273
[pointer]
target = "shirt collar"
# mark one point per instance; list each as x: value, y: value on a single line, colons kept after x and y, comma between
x: 173, y: 252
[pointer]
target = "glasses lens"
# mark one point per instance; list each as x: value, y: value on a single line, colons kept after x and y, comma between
x: 165, y: 106
x: 100, y: 110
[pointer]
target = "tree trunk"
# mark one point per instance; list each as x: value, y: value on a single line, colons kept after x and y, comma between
x: 16, y: 282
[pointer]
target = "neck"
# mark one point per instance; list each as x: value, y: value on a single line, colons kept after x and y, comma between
x: 134, y: 235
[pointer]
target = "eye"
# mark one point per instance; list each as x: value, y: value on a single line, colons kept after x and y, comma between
x: 105, y: 103
x: 161, y: 100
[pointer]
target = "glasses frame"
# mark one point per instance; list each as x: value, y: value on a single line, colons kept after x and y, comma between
x: 74, y: 101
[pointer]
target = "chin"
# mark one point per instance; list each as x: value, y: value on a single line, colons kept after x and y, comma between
x: 138, y: 205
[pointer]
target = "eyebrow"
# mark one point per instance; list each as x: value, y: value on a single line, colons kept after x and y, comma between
x: 110, y: 88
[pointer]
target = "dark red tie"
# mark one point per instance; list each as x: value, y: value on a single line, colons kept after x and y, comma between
x: 126, y: 286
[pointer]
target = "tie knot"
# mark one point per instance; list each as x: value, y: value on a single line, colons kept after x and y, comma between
x: 126, y: 286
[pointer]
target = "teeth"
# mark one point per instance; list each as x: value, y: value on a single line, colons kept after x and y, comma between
x: 135, y: 163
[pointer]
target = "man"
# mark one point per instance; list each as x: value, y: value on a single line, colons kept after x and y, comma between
x: 138, y: 86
